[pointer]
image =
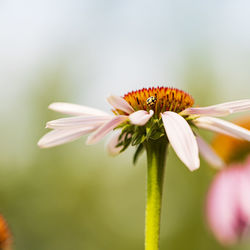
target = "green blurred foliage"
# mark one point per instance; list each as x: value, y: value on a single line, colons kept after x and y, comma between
x: 77, y: 197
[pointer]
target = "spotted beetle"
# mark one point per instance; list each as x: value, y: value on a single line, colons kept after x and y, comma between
x: 151, y: 100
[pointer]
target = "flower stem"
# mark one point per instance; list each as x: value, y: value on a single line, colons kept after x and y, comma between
x: 156, y: 155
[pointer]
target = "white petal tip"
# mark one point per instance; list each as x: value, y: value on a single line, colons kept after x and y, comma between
x: 51, y: 106
x: 111, y: 146
x: 193, y: 168
x: 209, y: 154
x: 90, y: 141
x: 40, y: 144
x: 140, y: 117
x: 74, y: 109
x: 113, y: 154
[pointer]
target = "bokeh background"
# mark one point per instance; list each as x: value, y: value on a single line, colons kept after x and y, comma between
x: 76, y: 196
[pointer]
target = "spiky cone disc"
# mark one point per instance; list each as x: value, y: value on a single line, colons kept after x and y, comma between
x: 167, y: 99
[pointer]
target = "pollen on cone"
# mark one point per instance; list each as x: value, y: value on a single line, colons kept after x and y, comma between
x: 159, y: 99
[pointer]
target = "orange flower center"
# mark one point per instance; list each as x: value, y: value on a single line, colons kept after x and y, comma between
x: 159, y: 99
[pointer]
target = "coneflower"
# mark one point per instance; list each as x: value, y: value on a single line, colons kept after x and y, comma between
x: 149, y: 119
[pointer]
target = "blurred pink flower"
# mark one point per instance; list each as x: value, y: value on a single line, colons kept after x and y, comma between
x: 228, y: 203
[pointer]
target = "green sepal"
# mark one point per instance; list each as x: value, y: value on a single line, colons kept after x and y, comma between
x: 156, y: 135
x: 125, y: 146
x: 125, y: 142
x: 137, y: 139
x: 137, y: 135
x: 139, y: 150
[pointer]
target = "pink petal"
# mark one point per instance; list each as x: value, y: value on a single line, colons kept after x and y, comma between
x: 244, y: 188
x: 220, y: 109
x: 235, y: 106
x: 209, y: 154
x: 213, y: 128
x: 78, y: 121
x: 211, y: 111
x: 244, y: 197
x: 61, y: 136
x: 221, y: 126
x: 74, y: 109
x: 119, y: 103
x: 111, y: 145
x: 222, y: 204
x: 228, y: 204
x: 182, y: 139
x: 140, y: 117
x: 106, y: 128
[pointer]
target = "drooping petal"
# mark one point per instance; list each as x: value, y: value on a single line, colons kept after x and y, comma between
x: 209, y: 154
x: 182, y: 139
x: 106, y: 128
x: 235, y: 106
x: 119, y: 103
x: 111, y: 145
x: 209, y: 111
x: 140, y: 117
x: 219, y: 109
x: 222, y: 126
x: 61, y: 136
x: 78, y: 121
x: 75, y: 109
x: 213, y: 128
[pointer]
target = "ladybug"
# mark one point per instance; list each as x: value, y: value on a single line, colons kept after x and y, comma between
x: 151, y: 101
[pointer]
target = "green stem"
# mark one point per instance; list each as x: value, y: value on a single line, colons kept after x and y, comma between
x: 156, y: 155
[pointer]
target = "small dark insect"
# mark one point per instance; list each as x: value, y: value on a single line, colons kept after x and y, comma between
x: 151, y: 101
